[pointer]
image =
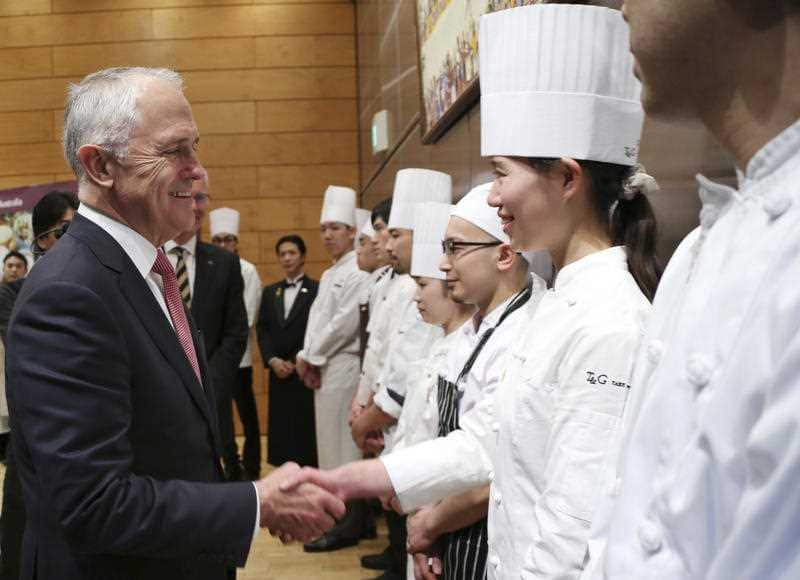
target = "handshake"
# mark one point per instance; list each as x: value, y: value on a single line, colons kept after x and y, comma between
x: 301, y: 504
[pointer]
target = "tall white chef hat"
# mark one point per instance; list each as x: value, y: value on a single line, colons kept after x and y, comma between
x: 430, y: 225
x: 475, y: 209
x: 362, y: 218
x: 557, y: 81
x: 224, y: 220
x: 339, y: 205
x: 367, y: 229
x: 413, y: 186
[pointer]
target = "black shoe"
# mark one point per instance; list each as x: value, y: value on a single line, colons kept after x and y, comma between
x: 382, y: 561
x: 369, y: 532
x: 329, y: 543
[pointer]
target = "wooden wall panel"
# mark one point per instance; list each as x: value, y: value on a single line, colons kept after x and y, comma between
x: 272, y: 85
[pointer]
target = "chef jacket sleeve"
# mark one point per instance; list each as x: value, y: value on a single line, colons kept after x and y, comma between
x: 593, y: 384
x: 446, y: 466
x: 407, y: 353
x: 341, y: 328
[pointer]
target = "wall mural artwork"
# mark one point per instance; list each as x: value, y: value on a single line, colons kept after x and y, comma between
x: 447, y: 37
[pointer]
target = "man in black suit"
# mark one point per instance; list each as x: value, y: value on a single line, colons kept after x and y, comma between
x: 112, y: 402
x: 281, y: 328
x: 211, y: 284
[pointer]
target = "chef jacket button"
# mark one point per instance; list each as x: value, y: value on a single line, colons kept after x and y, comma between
x: 776, y: 205
x: 570, y: 302
x: 698, y: 370
x: 491, y: 476
x: 494, y: 560
x: 655, y: 350
x: 498, y: 498
x: 495, y: 426
x: 650, y: 537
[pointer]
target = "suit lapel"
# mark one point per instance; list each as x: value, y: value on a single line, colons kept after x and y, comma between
x: 278, y: 304
x: 141, y: 300
x: 298, y: 301
x: 202, y: 265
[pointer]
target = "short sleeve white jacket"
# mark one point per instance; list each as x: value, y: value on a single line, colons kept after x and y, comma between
x: 543, y: 439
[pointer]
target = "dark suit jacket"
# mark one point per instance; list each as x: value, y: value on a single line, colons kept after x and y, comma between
x: 115, y: 438
x: 279, y: 336
x: 219, y: 312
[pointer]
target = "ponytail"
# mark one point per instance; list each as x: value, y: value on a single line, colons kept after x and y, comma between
x: 630, y: 218
x: 626, y: 213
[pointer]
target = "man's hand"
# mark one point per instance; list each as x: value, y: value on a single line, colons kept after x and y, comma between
x: 427, y: 567
x: 421, y: 533
x: 356, y: 409
x: 312, y: 378
x: 282, y: 368
x: 303, y: 512
x: 301, y: 366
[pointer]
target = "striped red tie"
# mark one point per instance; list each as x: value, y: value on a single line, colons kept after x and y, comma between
x: 172, y: 294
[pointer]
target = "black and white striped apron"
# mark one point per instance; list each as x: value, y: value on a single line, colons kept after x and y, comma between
x: 464, y: 551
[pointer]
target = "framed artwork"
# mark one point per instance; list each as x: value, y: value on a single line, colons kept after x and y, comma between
x: 447, y: 40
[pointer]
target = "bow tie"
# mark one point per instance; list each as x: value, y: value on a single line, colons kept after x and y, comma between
x: 287, y: 284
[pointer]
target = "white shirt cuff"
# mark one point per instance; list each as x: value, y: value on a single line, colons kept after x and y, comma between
x: 258, y: 515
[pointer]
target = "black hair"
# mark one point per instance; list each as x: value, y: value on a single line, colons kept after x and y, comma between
x: 15, y: 254
x: 630, y: 223
x: 382, y: 210
x: 293, y: 238
x: 49, y: 210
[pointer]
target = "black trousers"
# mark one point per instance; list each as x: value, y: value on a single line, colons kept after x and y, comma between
x: 12, y: 520
x: 397, y: 542
x: 248, y: 413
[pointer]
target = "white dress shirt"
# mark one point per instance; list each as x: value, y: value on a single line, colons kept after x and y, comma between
x: 143, y: 255
x: 544, y: 437
x: 189, y: 257
x: 290, y: 293
x: 710, y: 483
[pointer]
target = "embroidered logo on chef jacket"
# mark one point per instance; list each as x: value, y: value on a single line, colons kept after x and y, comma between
x: 595, y: 378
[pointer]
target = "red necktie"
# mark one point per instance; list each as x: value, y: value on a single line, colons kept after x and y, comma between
x: 172, y: 295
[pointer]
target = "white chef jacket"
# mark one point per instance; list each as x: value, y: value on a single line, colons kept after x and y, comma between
x: 333, y: 318
x: 711, y: 471
x: 419, y: 420
x: 369, y: 287
x: 409, y: 344
x: 252, y: 301
x: 490, y: 366
x: 543, y: 439
x: 392, y: 295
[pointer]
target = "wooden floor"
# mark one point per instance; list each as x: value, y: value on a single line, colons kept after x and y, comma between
x: 271, y: 560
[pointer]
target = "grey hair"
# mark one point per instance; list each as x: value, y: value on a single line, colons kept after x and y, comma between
x: 101, y: 110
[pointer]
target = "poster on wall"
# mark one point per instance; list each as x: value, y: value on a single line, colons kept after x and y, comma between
x: 16, y: 207
x: 447, y: 39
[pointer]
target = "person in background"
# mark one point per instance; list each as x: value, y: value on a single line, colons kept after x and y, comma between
x: 212, y: 288
x: 15, y: 266
x: 225, y: 234
x: 328, y: 362
x: 408, y: 337
x: 50, y: 217
x: 372, y: 261
x: 281, y: 327
x: 707, y: 482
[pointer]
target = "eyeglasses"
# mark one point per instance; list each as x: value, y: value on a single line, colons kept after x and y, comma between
x: 226, y: 238
x: 57, y: 232
x: 450, y: 247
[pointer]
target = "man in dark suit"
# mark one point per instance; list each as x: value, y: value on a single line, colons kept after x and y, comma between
x: 111, y: 398
x: 281, y: 328
x: 212, y: 287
